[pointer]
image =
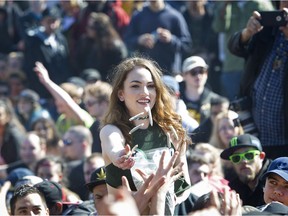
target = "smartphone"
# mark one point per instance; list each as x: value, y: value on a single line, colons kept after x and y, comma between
x: 273, y: 18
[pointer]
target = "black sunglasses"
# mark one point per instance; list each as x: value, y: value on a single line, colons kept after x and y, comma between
x: 196, y: 71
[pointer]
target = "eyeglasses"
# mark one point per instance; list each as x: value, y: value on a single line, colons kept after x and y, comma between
x: 67, y: 142
x: 90, y: 103
x: 249, y: 155
x: 196, y: 71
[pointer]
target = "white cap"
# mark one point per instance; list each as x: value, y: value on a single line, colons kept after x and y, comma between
x: 193, y: 62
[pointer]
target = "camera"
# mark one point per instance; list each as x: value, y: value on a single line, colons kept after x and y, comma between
x: 240, y: 104
x: 273, y: 18
x: 243, y: 106
x: 247, y: 122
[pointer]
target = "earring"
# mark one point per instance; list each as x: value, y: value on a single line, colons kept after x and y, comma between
x: 121, y: 99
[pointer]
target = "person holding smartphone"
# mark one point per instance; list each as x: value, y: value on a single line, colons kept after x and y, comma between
x: 264, y: 49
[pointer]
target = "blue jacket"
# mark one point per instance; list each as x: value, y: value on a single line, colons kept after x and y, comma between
x: 168, y: 55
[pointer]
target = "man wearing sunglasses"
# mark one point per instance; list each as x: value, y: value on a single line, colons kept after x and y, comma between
x: 77, y: 146
x: 249, y: 163
x: 193, y: 90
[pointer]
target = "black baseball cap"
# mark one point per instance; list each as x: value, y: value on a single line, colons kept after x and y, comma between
x: 53, y: 12
x: 98, y: 177
x: 51, y: 190
x: 91, y: 75
x: 245, y: 140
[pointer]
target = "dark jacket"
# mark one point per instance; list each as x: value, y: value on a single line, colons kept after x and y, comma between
x: 12, y: 139
x: 249, y: 197
x: 169, y: 56
x: 95, y: 130
x: 91, y: 55
x: 9, y: 21
x: 255, y: 53
x: 203, y: 133
x: 76, y: 179
x: 37, y: 48
x: 202, y: 106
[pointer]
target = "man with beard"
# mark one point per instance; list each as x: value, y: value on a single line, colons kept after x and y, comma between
x: 249, y: 162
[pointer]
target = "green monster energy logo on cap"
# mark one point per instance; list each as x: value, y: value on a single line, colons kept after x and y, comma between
x: 233, y: 141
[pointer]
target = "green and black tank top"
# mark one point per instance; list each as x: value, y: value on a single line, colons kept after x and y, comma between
x: 146, y: 139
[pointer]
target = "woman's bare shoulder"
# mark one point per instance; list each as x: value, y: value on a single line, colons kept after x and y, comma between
x: 108, y: 129
x: 111, y: 137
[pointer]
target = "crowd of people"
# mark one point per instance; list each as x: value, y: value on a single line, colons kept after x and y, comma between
x: 146, y: 107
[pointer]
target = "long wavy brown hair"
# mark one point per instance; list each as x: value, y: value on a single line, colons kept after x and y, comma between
x: 106, y: 35
x: 162, y: 112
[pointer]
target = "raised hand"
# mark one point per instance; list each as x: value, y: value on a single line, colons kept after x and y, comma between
x: 143, y: 196
x: 167, y: 174
x: 121, y: 203
x: 42, y: 72
x: 252, y: 27
x: 125, y: 160
x: 230, y: 203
